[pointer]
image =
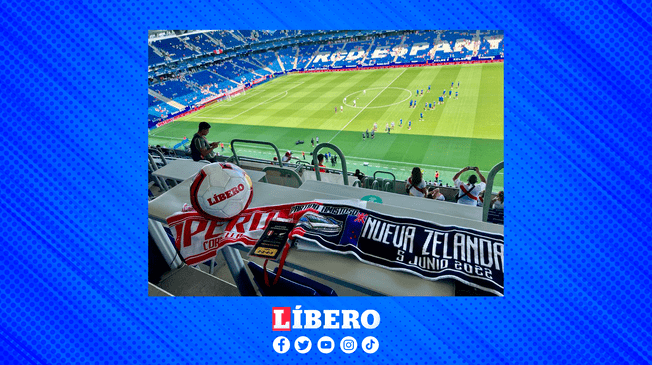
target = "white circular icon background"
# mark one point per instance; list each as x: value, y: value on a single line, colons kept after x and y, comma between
x: 281, y: 344
x: 348, y: 345
x: 328, y: 343
x: 302, y: 344
x: 370, y: 344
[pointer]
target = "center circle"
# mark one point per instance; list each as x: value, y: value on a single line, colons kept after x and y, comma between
x: 359, y: 93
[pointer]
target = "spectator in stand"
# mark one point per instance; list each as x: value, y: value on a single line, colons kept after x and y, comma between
x: 320, y: 159
x: 415, y: 185
x: 469, y: 192
x: 200, y: 148
x: 499, y: 201
x: 287, y: 157
x: 435, y: 194
x: 359, y: 175
x: 481, y: 199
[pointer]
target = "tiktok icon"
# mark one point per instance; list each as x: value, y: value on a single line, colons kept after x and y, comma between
x: 370, y: 344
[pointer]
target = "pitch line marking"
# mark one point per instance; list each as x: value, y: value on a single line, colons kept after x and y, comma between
x: 380, y: 106
x: 365, y: 107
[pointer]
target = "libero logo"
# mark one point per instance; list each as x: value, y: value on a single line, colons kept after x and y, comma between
x: 225, y: 195
x: 286, y: 319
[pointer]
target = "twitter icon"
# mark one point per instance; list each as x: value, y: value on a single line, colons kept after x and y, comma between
x: 302, y: 344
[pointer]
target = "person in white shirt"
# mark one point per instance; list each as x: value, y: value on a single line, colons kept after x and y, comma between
x: 435, y: 194
x: 415, y: 184
x: 287, y: 157
x: 498, y: 202
x: 470, y: 191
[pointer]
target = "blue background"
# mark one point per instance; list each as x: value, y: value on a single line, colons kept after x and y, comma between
x: 73, y: 282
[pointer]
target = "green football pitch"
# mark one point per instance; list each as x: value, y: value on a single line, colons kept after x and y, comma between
x: 467, y: 131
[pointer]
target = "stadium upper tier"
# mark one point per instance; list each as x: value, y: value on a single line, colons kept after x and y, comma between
x: 202, y: 64
x: 389, y: 46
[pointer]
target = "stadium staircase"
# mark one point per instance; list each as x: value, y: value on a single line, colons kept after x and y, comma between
x: 312, y: 57
x: 368, y: 51
x: 399, y: 46
x: 278, y: 59
x: 296, y: 59
x: 258, y: 64
x: 226, y: 78
x: 341, y: 49
x: 165, y: 100
x: 215, y: 40
x: 239, y: 36
x: 245, y: 70
x: 157, y: 51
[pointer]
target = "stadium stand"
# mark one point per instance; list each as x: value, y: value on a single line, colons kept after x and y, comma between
x: 174, y: 48
x: 152, y: 101
x: 172, y: 88
x: 417, y: 47
x: 153, y: 58
x: 305, y: 55
x: 491, y: 44
x: 325, y: 56
x: 203, y: 43
x: 230, y: 72
x: 352, y: 54
x: 161, y: 110
x: 269, y: 60
x: 228, y: 39
x: 207, y: 79
x: 288, y: 57
x: 383, y: 51
x: 251, y: 66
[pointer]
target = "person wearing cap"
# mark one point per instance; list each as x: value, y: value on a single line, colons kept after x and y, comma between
x: 470, y: 192
x: 200, y: 148
x: 287, y: 157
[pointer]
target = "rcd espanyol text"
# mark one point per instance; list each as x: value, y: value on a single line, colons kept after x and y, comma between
x: 286, y: 319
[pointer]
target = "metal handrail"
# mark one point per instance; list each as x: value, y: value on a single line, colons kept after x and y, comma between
x: 235, y: 155
x: 152, y: 167
x: 384, y: 172
x: 386, y: 187
x: 489, y: 187
x: 338, y: 151
x: 155, y: 150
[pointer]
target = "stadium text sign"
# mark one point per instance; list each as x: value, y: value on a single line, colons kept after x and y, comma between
x: 285, y: 319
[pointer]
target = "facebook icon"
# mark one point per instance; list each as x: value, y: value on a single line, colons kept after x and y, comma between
x: 281, y: 344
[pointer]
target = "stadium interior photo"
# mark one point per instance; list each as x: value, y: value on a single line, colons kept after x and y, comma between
x: 329, y: 116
